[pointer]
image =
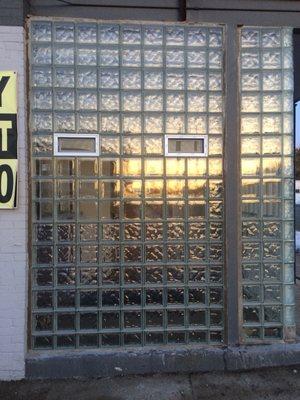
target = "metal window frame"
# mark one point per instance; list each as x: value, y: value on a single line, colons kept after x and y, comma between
x: 83, y: 153
x: 201, y: 154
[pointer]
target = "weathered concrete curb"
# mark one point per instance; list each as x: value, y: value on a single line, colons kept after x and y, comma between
x: 251, y: 357
x: 108, y: 363
x: 124, y: 362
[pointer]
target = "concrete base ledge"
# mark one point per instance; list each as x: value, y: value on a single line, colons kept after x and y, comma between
x: 183, y: 359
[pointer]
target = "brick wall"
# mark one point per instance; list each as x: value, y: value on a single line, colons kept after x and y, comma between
x: 13, y: 228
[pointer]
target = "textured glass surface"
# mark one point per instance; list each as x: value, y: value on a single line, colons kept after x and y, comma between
x: 267, y: 197
x: 128, y: 246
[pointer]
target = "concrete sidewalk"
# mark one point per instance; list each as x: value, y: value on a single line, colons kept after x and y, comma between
x: 266, y: 384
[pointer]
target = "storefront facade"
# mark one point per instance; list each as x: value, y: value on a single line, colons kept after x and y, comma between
x: 154, y: 227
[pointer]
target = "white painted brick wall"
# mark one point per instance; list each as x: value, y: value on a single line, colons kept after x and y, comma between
x: 13, y: 228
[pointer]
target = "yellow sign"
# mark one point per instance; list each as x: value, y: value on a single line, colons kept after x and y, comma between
x: 8, y: 139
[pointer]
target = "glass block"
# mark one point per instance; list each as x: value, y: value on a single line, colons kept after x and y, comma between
x: 251, y: 314
x: 153, y: 188
x: 64, y: 99
x: 41, y: 55
x: 154, y: 253
x: 131, y: 102
x: 272, y: 314
x: 64, y: 77
x: 272, y: 103
x: 44, y: 254
x: 289, y: 273
x: 197, y: 252
x: 153, y: 146
x: 250, y: 37
x: 110, y: 123
x: 132, y: 58
x: 64, y: 32
x: 215, y: 81
x: 42, y: 77
x: 109, y: 34
x: 271, y: 166
x: 271, y: 38
x: 64, y: 55
x: 87, y: 123
x: 175, y: 58
x: 41, y: 121
x: 87, y: 78
x: 174, y: 36
x: 271, y: 81
x: 153, y: 35
x: 250, y: 251
x: 175, y: 252
x: 41, y: 31
x: 87, y: 33
x: 109, y: 57
x: 251, y: 293
x: 215, y: 146
x: 88, y: 254
x: 250, y: 59
x: 131, y: 34
x: 64, y: 122
x: 132, y: 253
x: 196, y: 36
x: 289, y: 294
x: 88, y: 321
x: 175, y: 123
x: 87, y: 101
x: 272, y: 230
x: 271, y: 59
x: 197, y: 295
x: 175, y: 80
x: 154, y: 231
x: 251, y: 103
x: 252, y: 333
x: 197, y: 274
x: 153, y: 124
x: 250, y: 81
x: 289, y: 251
x: 215, y: 59
x: 271, y: 124
x: 198, y: 167
x: 289, y: 315
x: 196, y: 103
x: 153, y: 102
x: 109, y: 102
x: 250, y: 124
x: 131, y: 145
x: 196, y: 59
x: 272, y: 293
x: 197, y: 80
x: 42, y: 99
x: 154, y: 80
x: 131, y: 79
x: 271, y: 145
x: 288, y: 167
x: 216, y: 230
x: 110, y: 276
x: 153, y: 167
x: 42, y: 145
x: 175, y: 209
x: 110, y: 145
x: 251, y: 272
x: 250, y: 145
x: 89, y: 276
x: 86, y: 56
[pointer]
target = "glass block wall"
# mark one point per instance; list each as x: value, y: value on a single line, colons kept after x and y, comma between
x: 267, y: 186
x: 127, y: 247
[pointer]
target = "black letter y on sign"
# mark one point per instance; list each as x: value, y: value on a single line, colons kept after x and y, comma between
x: 3, y: 83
